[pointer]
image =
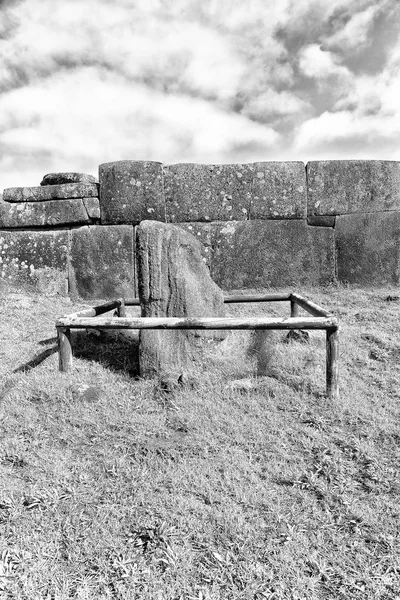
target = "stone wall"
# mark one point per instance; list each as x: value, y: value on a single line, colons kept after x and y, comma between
x: 262, y: 225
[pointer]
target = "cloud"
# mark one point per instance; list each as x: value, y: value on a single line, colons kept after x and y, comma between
x: 86, y: 81
x: 318, y: 64
x: 131, y: 39
x: 366, y: 119
x: 352, y: 25
x: 280, y: 104
x: 331, y: 128
x: 90, y: 116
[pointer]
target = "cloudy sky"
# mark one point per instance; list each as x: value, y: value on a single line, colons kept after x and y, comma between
x: 89, y: 81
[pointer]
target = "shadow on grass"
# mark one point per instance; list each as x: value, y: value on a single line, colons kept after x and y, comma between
x: 113, y: 351
x: 37, y: 359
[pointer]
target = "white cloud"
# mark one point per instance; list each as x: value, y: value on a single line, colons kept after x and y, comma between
x: 365, y: 122
x: 91, y: 80
x: 317, y: 63
x: 125, y: 40
x: 355, y: 34
x: 87, y: 117
x: 283, y: 104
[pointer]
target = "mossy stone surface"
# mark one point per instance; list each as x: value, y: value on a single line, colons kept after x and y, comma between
x: 271, y: 254
x: 102, y: 263
x: 341, y: 187
x: 131, y: 191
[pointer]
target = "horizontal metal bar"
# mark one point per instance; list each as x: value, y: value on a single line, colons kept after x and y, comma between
x: 257, y: 298
x: 97, y: 310
x: 309, y: 306
x: 198, y: 323
x: 234, y: 299
x: 132, y: 302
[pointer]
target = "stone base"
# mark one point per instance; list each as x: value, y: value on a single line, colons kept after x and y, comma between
x: 368, y: 248
x: 102, y: 262
x: 271, y: 254
x: 35, y: 260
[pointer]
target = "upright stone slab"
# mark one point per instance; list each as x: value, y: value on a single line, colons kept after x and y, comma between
x: 279, y: 191
x: 195, y: 192
x: 340, y: 187
x: 102, y: 262
x: 131, y: 191
x: 368, y: 248
x: 260, y: 254
x: 202, y: 232
x: 35, y: 260
x: 173, y: 282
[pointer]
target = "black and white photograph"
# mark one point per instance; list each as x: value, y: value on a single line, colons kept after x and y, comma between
x: 199, y: 300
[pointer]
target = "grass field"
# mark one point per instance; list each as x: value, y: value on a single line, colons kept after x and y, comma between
x: 233, y: 486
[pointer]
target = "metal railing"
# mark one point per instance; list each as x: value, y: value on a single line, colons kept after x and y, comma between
x: 320, y: 319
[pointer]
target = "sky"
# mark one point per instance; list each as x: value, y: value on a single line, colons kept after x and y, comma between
x: 84, y: 82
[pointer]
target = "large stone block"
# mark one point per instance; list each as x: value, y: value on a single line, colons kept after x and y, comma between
x: 260, y: 254
x: 340, y: 187
x: 57, y: 178
x: 368, y: 248
x: 279, y: 191
x: 173, y: 282
x: 51, y: 192
x: 102, y: 262
x: 53, y: 213
x: 35, y: 260
x: 195, y: 192
x: 131, y: 191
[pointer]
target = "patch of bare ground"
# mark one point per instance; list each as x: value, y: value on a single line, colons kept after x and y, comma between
x: 243, y: 482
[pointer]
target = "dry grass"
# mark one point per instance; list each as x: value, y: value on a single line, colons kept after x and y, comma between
x: 245, y: 483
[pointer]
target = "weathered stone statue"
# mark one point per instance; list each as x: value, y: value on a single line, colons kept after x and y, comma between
x: 173, y: 282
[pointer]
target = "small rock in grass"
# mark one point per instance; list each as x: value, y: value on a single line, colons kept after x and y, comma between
x: 39, y: 397
x: 168, y: 384
x: 188, y: 381
x: 242, y: 385
x: 88, y: 393
x: 177, y: 424
x: 263, y: 383
x: 297, y: 335
x: 378, y: 354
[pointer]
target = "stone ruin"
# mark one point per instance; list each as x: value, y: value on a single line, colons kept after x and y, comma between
x: 173, y: 282
x: 262, y: 225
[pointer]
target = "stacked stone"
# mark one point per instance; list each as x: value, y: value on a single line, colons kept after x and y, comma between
x: 250, y: 218
x: 361, y: 199
x: 263, y: 224
x: 51, y: 240
x: 61, y: 199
